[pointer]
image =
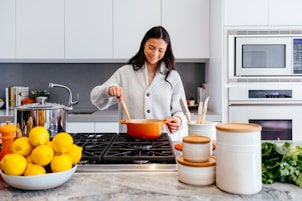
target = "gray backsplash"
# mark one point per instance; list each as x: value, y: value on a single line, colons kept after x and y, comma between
x: 80, y: 78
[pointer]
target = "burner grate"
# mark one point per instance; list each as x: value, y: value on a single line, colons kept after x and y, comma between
x: 129, y: 150
x: 112, y: 148
x: 94, y: 146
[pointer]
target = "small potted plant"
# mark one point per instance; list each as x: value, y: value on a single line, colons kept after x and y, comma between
x: 191, y: 101
x: 39, y: 93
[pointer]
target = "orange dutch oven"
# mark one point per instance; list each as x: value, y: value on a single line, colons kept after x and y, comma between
x: 144, y: 128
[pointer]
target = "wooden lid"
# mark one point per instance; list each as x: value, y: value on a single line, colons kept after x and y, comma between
x: 209, y: 163
x: 238, y: 127
x: 196, y: 139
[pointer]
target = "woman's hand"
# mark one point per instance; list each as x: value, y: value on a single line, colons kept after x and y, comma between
x: 116, y: 91
x: 174, y: 124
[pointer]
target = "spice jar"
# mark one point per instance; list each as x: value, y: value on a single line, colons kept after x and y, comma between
x: 8, y: 135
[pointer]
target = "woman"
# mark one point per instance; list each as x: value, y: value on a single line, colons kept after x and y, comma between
x: 149, y: 83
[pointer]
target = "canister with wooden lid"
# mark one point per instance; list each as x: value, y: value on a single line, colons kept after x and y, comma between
x: 196, y: 148
x: 238, y: 154
x: 193, y: 173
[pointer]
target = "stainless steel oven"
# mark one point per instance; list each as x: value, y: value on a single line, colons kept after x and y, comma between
x: 276, y: 107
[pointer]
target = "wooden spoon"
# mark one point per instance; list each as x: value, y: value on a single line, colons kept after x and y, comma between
x: 125, y: 108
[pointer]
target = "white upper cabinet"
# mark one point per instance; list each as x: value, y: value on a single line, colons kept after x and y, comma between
x: 99, y: 30
x: 285, y: 12
x: 40, y: 29
x: 246, y: 12
x: 88, y: 29
x: 131, y: 20
x: 7, y: 32
x: 187, y: 22
x: 262, y: 12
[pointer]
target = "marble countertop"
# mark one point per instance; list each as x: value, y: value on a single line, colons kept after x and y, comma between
x: 143, y: 186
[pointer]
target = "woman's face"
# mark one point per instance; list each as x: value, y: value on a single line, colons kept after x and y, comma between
x: 154, y: 50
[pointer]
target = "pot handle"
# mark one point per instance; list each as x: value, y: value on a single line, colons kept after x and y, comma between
x: 124, y: 121
x: 165, y: 121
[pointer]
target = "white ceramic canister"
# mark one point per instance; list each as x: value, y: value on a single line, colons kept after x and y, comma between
x: 206, y: 129
x: 200, y: 174
x: 196, y: 148
x: 238, y: 154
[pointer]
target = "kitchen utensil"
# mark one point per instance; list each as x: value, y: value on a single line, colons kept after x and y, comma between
x: 144, y: 128
x: 185, y: 111
x: 204, y: 110
x: 200, y: 112
x: 39, y: 182
x: 125, y: 109
x: 49, y: 115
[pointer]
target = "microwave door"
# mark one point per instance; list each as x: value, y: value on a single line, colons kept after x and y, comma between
x: 263, y: 56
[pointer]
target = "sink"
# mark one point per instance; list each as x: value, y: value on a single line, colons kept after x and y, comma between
x: 82, y: 111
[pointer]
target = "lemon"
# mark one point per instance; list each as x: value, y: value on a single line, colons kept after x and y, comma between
x: 61, y: 163
x: 42, y: 154
x: 62, y: 142
x: 21, y: 146
x: 34, y: 169
x: 38, y: 136
x: 75, y: 153
x: 49, y: 143
x: 28, y: 158
x: 13, y: 164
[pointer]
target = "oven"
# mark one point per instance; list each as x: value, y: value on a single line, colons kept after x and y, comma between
x: 110, y: 152
x: 276, y: 107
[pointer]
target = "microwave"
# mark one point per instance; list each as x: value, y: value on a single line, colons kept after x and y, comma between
x: 268, y: 56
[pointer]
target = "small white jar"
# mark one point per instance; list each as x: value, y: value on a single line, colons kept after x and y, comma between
x: 196, y: 148
x: 199, y: 174
x: 206, y: 129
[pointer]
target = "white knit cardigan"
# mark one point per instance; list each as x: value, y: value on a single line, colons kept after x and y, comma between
x: 159, y: 100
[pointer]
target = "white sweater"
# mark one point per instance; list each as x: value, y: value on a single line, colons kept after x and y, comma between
x: 159, y: 100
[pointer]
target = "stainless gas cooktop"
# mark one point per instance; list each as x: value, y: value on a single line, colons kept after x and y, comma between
x: 107, y: 152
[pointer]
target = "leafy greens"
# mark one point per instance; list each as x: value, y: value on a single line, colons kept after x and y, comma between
x: 281, y: 162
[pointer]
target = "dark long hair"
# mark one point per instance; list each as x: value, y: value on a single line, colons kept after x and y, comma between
x: 157, y: 32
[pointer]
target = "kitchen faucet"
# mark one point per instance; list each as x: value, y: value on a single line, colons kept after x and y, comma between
x: 71, y: 103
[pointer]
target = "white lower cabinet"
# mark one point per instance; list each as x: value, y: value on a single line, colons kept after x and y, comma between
x: 80, y: 127
x: 107, y: 127
x: 92, y: 127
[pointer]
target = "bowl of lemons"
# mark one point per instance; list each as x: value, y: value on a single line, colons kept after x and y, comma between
x: 39, y: 182
x: 38, y: 163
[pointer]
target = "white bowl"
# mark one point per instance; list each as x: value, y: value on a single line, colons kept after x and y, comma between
x: 1, y: 104
x: 196, y: 148
x: 199, y: 174
x: 40, y: 182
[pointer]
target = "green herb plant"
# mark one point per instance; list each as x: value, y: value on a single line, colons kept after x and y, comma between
x: 40, y: 93
x: 281, y: 162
